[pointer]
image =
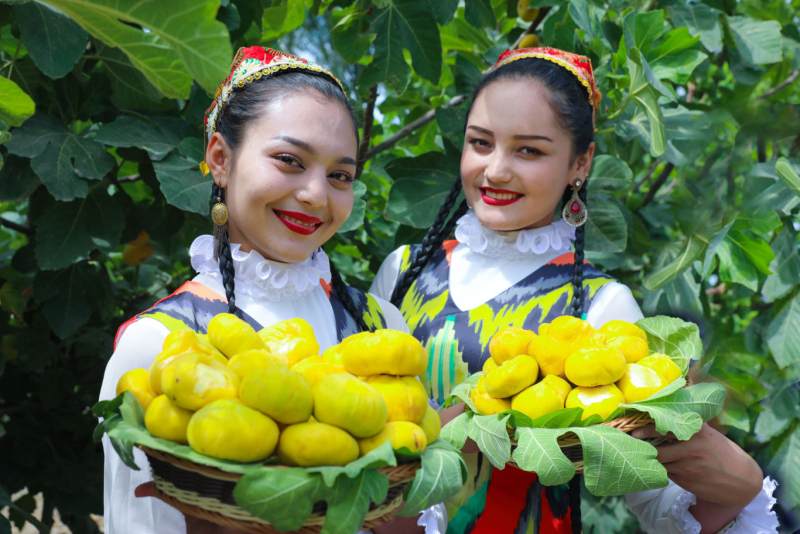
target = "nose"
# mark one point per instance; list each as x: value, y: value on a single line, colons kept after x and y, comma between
x: 498, y: 169
x: 314, y: 191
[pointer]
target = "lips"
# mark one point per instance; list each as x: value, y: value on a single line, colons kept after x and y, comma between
x: 499, y: 197
x: 298, y: 222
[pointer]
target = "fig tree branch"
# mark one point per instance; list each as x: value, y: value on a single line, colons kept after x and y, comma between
x: 657, y: 184
x: 369, y: 117
x: 21, y: 228
x: 785, y: 83
x: 532, y: 28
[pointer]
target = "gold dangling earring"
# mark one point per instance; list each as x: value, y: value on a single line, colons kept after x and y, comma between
x: 219, y: 215
x: 575, y: 212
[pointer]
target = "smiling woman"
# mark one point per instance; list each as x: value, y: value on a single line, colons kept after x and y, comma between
x: 282, y: 148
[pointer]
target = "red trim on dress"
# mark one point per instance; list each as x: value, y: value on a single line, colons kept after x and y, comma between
x: 327, y: 287
x: 568, y: 258
x: 448, y: 247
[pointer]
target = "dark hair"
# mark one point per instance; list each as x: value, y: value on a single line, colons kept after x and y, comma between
x: 245, y: 105
x: 570, y: 100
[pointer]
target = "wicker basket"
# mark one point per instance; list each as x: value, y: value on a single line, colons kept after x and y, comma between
x: 207, y: 493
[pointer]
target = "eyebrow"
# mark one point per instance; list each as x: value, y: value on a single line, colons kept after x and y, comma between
x: 523, y: 137
x: 310, y: 149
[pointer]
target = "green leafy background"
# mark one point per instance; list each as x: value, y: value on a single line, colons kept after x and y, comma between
x: 694, y: 201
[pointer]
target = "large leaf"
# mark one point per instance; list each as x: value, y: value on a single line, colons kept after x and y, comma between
x: 17, y: 179
x: 489, y: 432
x: 59, y: 157
x: 701, y: 20
x: 379, y: 457
x: 614, y: 462
x: 444, y: 10
x: 420, y: 187
x: 15, y: 105
x: 778, y: 413
x: 676, y: 57
x: 283, y: 18
x: 646, y: 97
x: 674, y: 337
x: 130, y: 88
x: 69, y: 231
x: 789, y: 174
x: 185, y: 40
x: 348, y: 41
x: 54, y: 42
x: 606, y: 229
x: 783, y: 335
x: 742, y: 258
x: 684, y: 411
x: 758, y: 42
x: 130, y: 132
x: 182, y: 183
x: 643, y: 29
x: 66, y: 296
x: 609, y: 174
x: 785, y: 465
x: 479, y: 13
x: 785, y: 267
x: 456, y: 431
x: 388, y: 64
x: 442, y: 475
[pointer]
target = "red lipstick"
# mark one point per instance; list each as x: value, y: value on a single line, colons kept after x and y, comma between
x: 499, y: 201
x: 298, y: 222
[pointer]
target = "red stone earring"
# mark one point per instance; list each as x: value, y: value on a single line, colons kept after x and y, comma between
x: 574, y: 212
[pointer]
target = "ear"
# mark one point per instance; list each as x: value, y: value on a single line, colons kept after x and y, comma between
x: 218, y: 155
x: 583, y: 163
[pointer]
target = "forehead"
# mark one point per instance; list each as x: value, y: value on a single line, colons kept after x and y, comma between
x: 516, y: 107
x: 323, y: 123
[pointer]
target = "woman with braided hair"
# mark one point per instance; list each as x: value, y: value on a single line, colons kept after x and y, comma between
x: 282, y: 145
x: 528, y: 148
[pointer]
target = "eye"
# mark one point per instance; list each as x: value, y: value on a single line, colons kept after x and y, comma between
x: 479, y: 142
x: 528, y: 151
x: 341, y: 176
x: 290, y: 160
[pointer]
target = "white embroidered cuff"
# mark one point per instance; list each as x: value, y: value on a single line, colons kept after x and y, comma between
x: 434, y: 519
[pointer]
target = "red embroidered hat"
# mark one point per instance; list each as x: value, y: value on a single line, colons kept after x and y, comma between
x: 580, y: 66
x: 252, y: 64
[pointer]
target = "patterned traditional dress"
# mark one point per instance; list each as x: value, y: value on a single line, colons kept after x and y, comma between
x: 508, y: 501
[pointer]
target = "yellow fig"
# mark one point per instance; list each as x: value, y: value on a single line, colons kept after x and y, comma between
x: 278, y: 392
x: 232, y: 335
x: 633, y: 348
x: 293, y: 340
x: 570, y: 330
x: 529, y: 41
x: 401, y: 434
x: 538, y: 400
x: 229, y: 430
x: 137, y: 381
x: 598, y: 366
x: 616, y: 328
x: 509, y: 342
x: 384, y: 352
x: 600, y: 400
x: 351, y: 404
x: 488, y: 366
x: 405, y: 396
x: 526, y: 14
x: 193, y: 380
x: 333, y: 354
x: 314, y: 368
x: 512, y: 377
x: 640, y: 383
x: 179, y: 342
x: 314, y: 444
x: 431, y: 424
x: 663, y: 365
x: 485, y: 403
x: 550, y: 354
x: 543, y: 329
x: 165, y: 420
x: 559, y: 384
x: 249, y: 361
x: 133, y: 255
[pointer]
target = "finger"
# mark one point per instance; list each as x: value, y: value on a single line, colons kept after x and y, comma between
x: 145, y: 490
x: 671, y: 452
x: 646, y: 432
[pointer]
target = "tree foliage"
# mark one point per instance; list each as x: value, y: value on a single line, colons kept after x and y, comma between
x: 693, y: 200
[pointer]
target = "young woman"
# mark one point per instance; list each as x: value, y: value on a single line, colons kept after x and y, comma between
x: 282, y: 144
x: 528, y: 149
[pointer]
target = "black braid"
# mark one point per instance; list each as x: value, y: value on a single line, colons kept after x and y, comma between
x: 433, y: 240
x: 579, y: 296
x: 225, y: 258
x: 575, y: 503
x: 347, y: 300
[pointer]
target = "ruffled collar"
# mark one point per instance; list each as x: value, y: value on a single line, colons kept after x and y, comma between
x: 556, y: 237
x: 261, y: 278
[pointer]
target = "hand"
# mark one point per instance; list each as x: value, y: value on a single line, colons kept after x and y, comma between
x: 709, y: 465
x: 194, y: 525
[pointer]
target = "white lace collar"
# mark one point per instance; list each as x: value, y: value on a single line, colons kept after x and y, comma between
x: 261, y: 278
x: 556, y: 237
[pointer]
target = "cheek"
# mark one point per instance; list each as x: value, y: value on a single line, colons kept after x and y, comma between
x: 341, y: 204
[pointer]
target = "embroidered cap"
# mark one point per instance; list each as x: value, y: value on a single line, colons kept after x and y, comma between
x: 252, y: 64
x: 580, y: 66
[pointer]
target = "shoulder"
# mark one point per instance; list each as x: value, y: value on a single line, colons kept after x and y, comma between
x: 613, y: 301
x: 386, y: 278
x: 135, y: 348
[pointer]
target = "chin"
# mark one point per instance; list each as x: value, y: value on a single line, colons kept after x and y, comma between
x: 499, y: 219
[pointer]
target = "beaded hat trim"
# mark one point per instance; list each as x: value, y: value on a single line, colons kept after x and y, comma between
x: 252, y: 64
x: 580, y: 66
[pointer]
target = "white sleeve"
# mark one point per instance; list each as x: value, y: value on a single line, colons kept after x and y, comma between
x: 666, y: 511
x: 385, y: 280
x: 613, y: 301
x: 394, y: 319
x: 124, y: 513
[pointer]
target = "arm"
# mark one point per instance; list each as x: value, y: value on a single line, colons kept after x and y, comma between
x: 124, y: 513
